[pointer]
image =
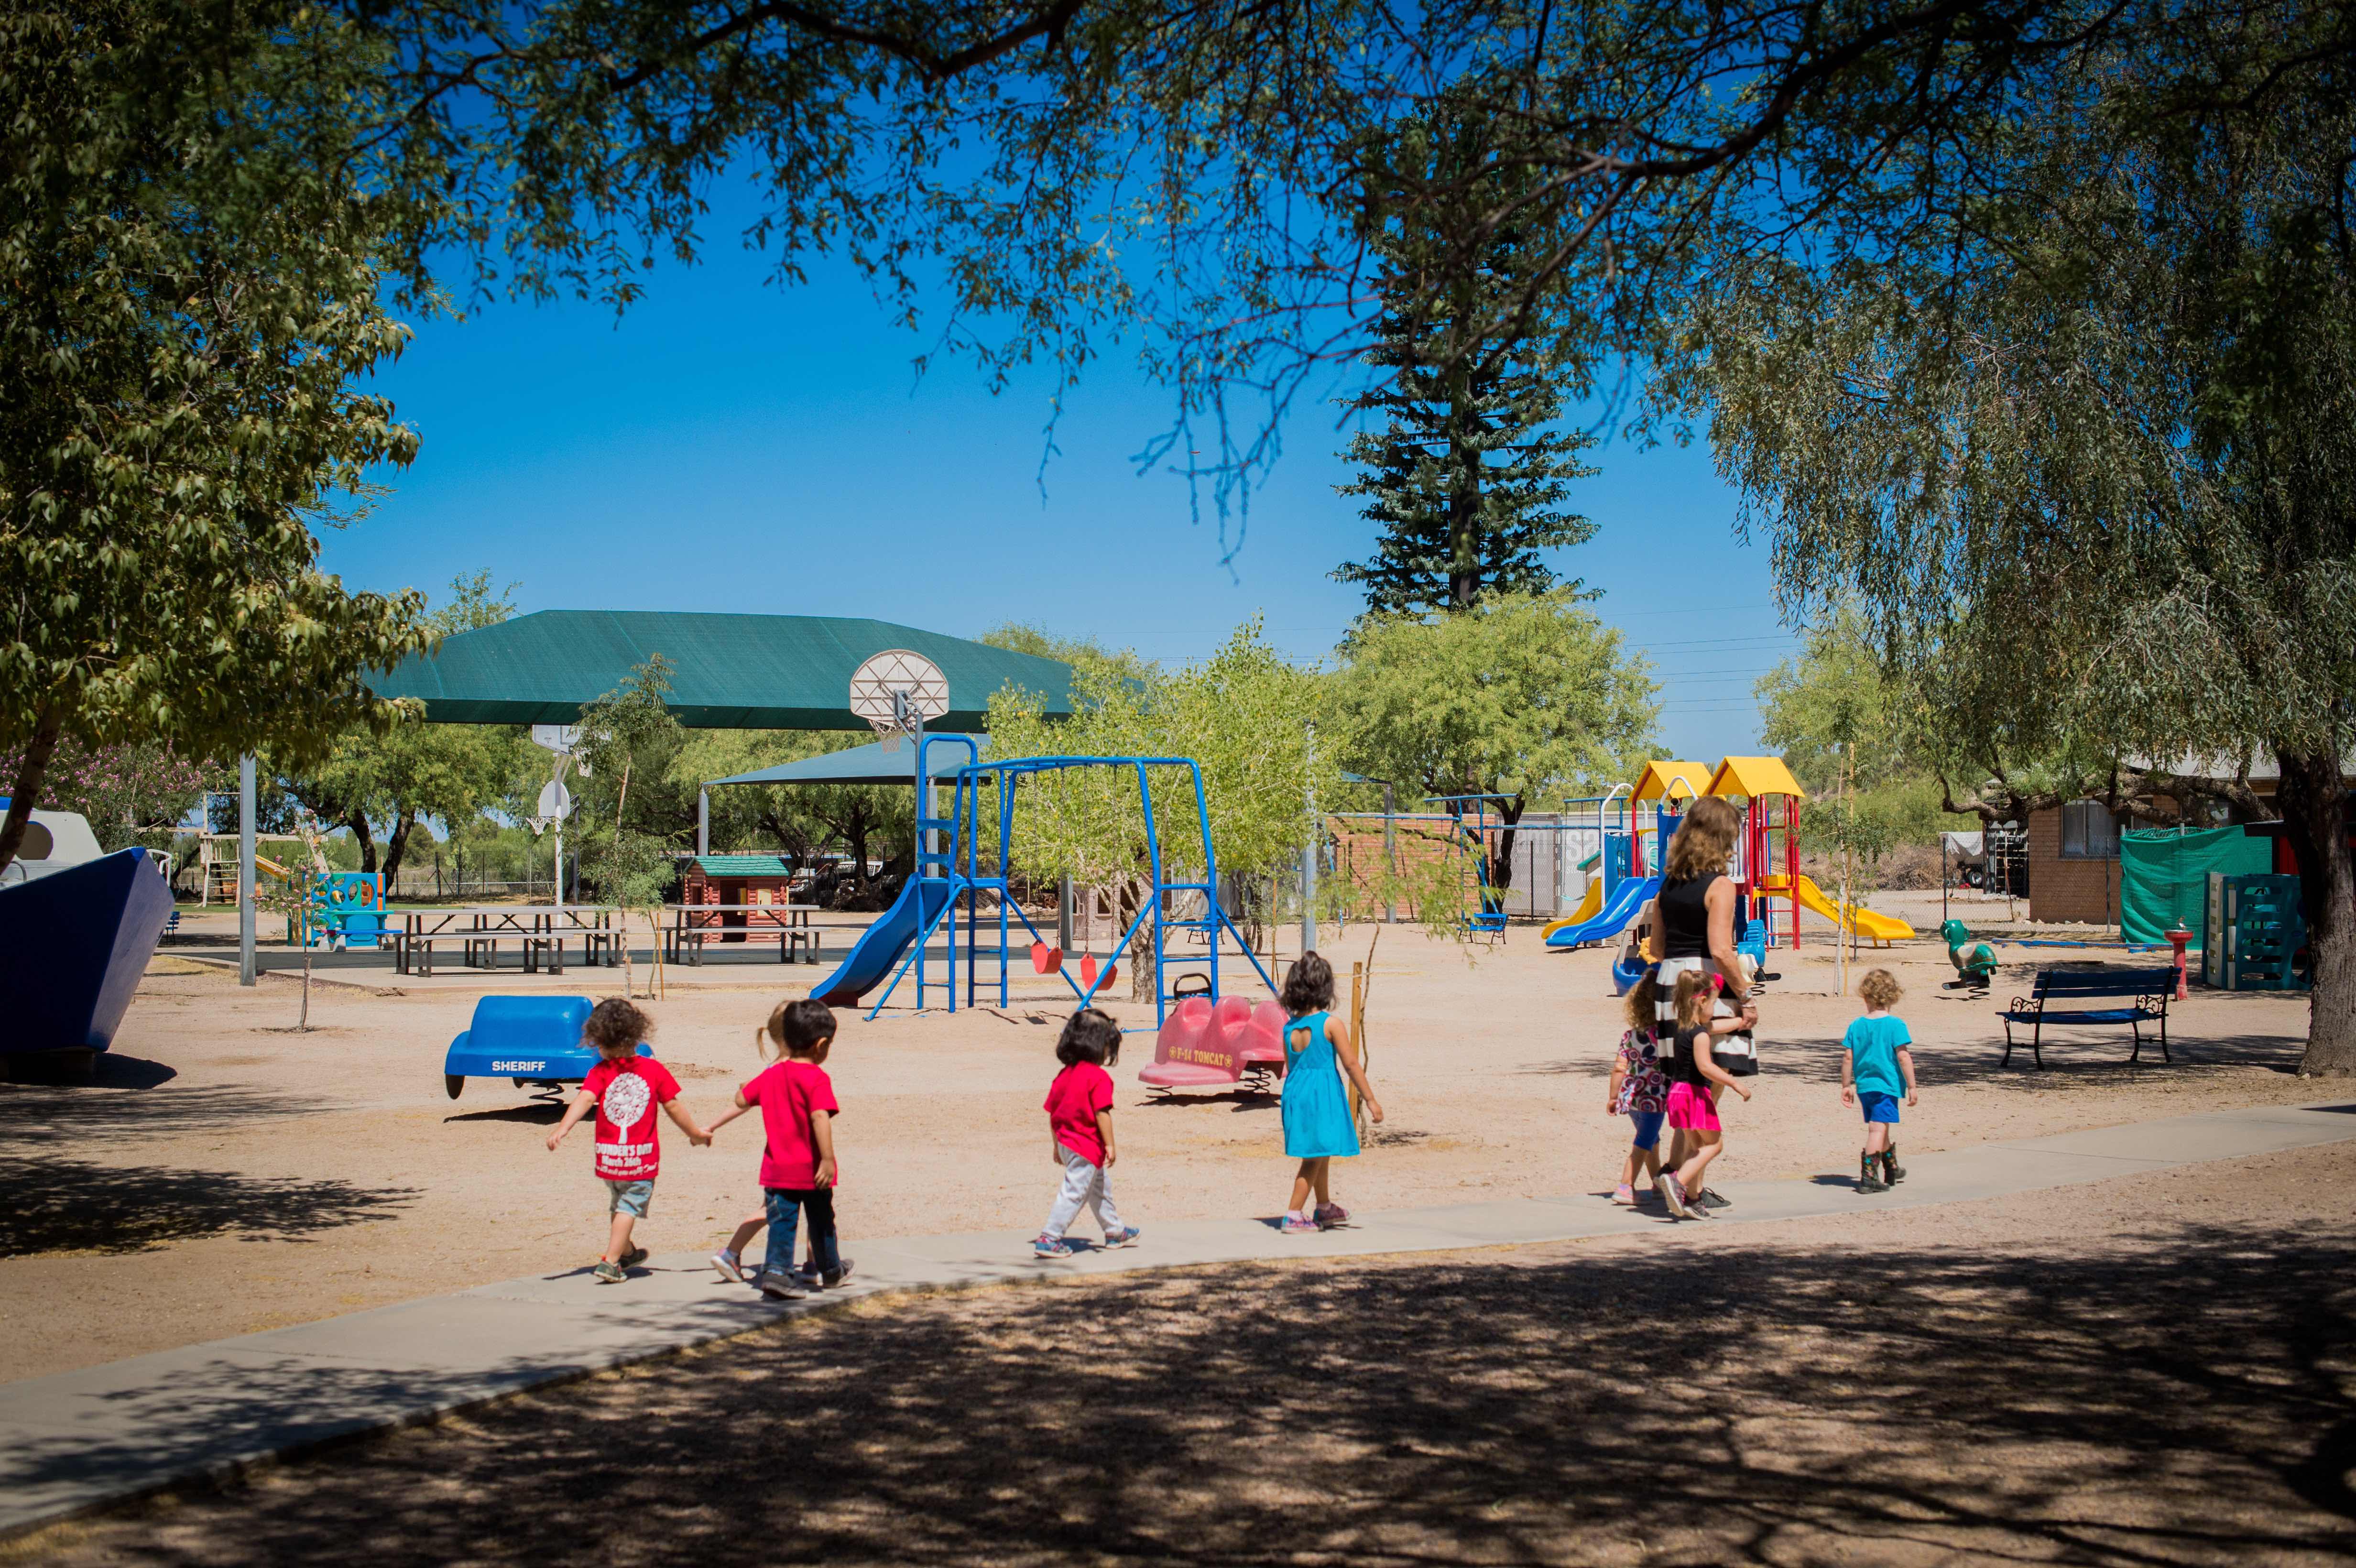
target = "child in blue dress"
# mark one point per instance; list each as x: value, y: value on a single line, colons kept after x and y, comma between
x: 1318, y: 1127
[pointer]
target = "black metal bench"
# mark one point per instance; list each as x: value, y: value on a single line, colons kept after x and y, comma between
x: 2145, y: 991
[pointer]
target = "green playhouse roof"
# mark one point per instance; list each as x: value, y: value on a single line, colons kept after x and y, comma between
x: 728, y: 672
x: 742, y: 864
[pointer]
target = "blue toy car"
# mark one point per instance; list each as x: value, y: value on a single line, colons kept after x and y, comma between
x: 534, y: 1041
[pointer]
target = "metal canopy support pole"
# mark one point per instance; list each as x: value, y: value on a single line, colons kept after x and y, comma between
x: 1390, y: 852
x: 245, y: 869
x: 703, y: 822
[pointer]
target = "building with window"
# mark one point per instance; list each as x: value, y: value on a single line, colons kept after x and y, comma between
x: 2074, y: 863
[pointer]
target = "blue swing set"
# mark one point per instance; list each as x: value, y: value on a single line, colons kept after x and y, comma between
x: 944, y: 883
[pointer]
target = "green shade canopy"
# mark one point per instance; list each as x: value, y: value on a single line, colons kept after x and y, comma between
x: 868, y: 764
x: 728, y: 672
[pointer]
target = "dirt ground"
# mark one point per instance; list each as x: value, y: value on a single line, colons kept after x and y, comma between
x: 226, y: 1175
x: 2155, y: 1370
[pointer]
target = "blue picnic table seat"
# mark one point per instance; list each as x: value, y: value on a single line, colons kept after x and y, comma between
x: 2144, y: 994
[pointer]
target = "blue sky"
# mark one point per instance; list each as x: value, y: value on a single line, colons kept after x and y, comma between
x: 730, y: 445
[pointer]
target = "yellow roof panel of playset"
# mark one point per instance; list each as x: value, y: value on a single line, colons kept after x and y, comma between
x: 1751, y: 778
x: 1670, y: 781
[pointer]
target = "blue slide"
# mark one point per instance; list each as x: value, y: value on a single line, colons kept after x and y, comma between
x: 1631, y: 896
x: 869, y: 963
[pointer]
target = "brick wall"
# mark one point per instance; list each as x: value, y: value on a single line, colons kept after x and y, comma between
x: 2084, y: 891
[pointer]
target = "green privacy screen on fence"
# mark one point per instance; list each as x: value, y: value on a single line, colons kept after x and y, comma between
x: 728, y: 672
x: 2164, y: 876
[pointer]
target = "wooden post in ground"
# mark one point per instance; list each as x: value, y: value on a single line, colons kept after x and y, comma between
x: 1358, y: 1032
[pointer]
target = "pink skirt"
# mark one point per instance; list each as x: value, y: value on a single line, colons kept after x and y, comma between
x: 1691, y: 1109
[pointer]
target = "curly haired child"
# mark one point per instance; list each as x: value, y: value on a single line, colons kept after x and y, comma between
x: 626, y: 1088
x: 1876, y: 1067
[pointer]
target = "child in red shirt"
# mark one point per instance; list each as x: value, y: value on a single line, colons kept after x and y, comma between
x: 626, y: 1088
x: 1079, y: 1127
x: 797, y: 1168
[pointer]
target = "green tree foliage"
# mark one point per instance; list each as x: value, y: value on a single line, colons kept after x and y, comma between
x: 1083, y: 654
x: 389, y: 781
x: 801, y: 821
x: 628, y: 738
x: 1242, y: 714
x: 1197, y: 177
x: 131, y: 792
x: 1526, y: 696
x: 2090, y: 459
x: 1464, y: 477
x: 190, y: 291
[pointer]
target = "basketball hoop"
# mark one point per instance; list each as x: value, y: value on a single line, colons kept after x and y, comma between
x: 895, y: 691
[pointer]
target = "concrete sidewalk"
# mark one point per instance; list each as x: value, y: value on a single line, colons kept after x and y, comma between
x: 76, y: 1440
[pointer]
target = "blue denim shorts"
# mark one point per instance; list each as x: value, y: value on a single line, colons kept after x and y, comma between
x: 631, y: 1198
x: 1879, y: 1107
x: 1648, y: 1127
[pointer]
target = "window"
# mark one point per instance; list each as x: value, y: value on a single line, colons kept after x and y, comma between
x: 2089, y: 832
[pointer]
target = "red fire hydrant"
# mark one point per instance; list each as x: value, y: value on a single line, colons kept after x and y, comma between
x: 2180, y: 936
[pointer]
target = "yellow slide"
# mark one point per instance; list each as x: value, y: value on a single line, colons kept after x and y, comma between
x: 1876, y: 927
x: 1588, y: 907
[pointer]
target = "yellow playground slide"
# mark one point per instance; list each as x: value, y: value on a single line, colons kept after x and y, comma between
x: 1588, y: 907
x: 1877, y: 927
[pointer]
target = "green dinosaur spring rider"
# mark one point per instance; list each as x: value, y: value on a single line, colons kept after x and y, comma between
x: 1974, y: 962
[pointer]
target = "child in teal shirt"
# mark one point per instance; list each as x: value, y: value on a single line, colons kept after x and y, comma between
x: 1876, y: 1068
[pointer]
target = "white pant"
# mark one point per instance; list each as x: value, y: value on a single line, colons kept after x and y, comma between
x: 1085, y: 1186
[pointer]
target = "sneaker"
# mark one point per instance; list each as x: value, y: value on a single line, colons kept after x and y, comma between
x: 1048, y: 1246
x: 1624, y: 1195
x: 841, y: 1274
x: 634, y: 1257
x: 731, y: 1267
x: 1123, y: 1238
x: 1330, y: 1214
x: 608, y: 1272
x: 781, y: 1286
x: 1710, y: 1199
x: 1673, y: 1195
x: 1298, y: 1225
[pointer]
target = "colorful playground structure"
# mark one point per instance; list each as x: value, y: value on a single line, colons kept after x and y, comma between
x: 1624, y: 870
x: 342, y: 908
x: 950, y: 872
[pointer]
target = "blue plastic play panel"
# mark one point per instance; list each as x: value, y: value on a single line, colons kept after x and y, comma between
x: 531, y: 1040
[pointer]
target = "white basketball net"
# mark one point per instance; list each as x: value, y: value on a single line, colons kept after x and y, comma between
x: 897, y: 689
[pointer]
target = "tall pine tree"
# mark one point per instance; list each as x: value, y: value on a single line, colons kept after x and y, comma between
x: 1465, y: 475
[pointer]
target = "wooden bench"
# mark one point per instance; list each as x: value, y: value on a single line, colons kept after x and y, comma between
x: 2144, y: 991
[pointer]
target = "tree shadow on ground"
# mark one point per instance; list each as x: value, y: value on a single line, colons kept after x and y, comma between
x: 2179, y: 1397
x: 2085, y: 1059
x: 60, y: 1205
x: 126, y: 1108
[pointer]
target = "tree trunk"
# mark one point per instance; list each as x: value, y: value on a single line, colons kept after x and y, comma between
x: 359, y: 823
x: 856, y: 831
x: 2316, y: 817
x: 1501, y: 864
x: 1143, y: 983
x: 31, y: 773
x: 396, y: 848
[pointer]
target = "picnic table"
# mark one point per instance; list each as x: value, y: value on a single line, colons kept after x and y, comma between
x: 538, y: 931
x: 693, y: 925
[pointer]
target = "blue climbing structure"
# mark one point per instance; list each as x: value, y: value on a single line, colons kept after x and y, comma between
x: 951, y: 874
